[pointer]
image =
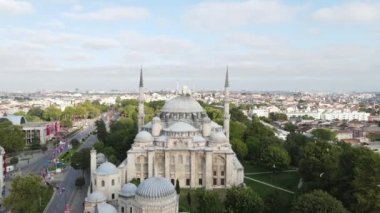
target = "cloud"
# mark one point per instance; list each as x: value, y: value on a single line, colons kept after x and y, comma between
x: 14, y: 7
x: 224, y: 15
x: 52, y: 24
x: 111, y: 14
x: 351, y: 13
x: 100, y: 43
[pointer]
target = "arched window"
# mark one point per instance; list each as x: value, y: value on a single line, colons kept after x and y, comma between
x: 130, y: 210
x: 103, y: 183
x: 122, y: 209
x: 113, y: 196
x: 113, y: 182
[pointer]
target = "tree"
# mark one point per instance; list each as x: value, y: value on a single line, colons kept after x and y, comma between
x: 36, y: 111
x: 14, y: 160
x: 319, y: 163
x: 366, y: 182
x: 317, y: 201
x: 243, y: 200
x: 12, y: 138
x: 276, y: 157
x: 28, y: 194
x: 101, y: 130
x: 52, y: 113
x: 290, y: 127
x: 75, y: 143
x: 79, y: 182
x: 294, y: 144
x: 208, y: 202
x: 177, y: 187
x: 81, y: 159
x: 274, y: 116
x: 240, y: 148
x: 324, y: 134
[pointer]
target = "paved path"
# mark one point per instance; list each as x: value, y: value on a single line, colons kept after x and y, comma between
x: 259, y: 173
x: 270, y: 185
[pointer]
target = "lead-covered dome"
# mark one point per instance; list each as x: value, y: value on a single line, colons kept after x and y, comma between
x: 96, y: 197
x: 104, y: 208
x: 128, y: 190
x: 106, y: 168
x: 218, y: 137
x: 155, y: 188
x: 144, y: 136
x: 181, y: 127
x: 183, y: 103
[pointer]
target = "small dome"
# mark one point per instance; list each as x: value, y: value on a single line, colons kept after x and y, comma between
x: 155, y: 187
x: 183, y: 103
x: 104, y: 208
x: 218, y: 137
x: 144, y: 136
x: 156, y: 119
x: 128, y: 190
x: 181, y: 127
x: 96, y: 197
x: 100, y: 158
x: 106, y: 168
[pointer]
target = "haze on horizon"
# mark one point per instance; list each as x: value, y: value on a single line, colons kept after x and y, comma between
x: 268, y: 45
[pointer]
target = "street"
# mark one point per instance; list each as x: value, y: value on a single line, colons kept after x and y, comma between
x: 60, y: 199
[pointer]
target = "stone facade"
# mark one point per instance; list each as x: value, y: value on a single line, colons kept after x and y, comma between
x: 182, y: 143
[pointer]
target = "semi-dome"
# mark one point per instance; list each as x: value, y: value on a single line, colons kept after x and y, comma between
x: 155, y: 187
x: 181, y: 127
x: 106, y: 168
x: 103, y: 208
x: 96, y: 197
x: 199, y: 138
x: 218, y: 137
x: 144, y: 136
x: 183, y: 103
x: 128, y: 190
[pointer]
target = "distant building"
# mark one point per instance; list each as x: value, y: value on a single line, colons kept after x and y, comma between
x: 42, y: 131
x: 348, y: 116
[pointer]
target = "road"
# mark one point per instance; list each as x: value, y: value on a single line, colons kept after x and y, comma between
x: 59, y: 201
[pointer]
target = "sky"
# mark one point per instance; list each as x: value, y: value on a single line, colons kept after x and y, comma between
x: 268, y: 45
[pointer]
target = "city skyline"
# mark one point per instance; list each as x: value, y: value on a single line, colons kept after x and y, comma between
x: 268, y: 45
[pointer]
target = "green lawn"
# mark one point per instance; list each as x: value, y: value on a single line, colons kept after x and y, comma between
x: 280, y: 200
x: 287, y: 180
x: 250, y: 167
x: 271, y: 195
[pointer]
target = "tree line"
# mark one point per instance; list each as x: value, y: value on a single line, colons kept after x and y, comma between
x: 87, y: 109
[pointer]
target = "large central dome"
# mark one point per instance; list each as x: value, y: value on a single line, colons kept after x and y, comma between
x: 182, y: 103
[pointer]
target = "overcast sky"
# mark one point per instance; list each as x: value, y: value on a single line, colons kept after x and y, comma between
x: 329, y: 45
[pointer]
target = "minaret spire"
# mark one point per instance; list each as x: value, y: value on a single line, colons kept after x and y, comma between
x: 141, y: 102
x: 227, y: 82
x: 226, y: 123
x: 141, y: 78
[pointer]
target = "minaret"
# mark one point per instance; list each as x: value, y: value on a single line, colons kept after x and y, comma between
x: 226, y: 123
x: 141, y: 102
x: 92, y: 167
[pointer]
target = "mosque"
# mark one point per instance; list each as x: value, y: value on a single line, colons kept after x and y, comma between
x: 182, y: 143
